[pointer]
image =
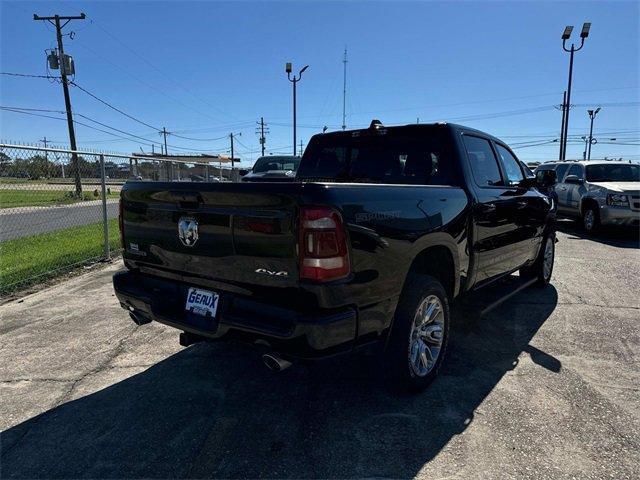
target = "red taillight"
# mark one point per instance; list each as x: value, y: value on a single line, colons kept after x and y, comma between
x: 324, y: 254
x: 121, y: 222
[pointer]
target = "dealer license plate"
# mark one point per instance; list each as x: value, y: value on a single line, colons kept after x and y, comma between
x: 202, y: 302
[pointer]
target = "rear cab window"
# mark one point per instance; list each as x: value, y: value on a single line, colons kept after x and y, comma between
x: 416, y: 156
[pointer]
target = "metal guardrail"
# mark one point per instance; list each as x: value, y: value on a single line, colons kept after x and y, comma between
x: 59, y: 208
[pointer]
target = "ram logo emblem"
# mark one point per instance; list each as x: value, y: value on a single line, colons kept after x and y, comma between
x: 188, y: 231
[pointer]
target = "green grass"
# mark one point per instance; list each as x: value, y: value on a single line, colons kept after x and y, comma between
x: 28, y: 198
x: 13, y: 180
x: 28, y: 260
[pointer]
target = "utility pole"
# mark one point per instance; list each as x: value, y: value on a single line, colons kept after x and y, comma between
x: 344, y: 91
x: 564, y: 101
x: 46, y: 157
x: 565, y: 36
x: 300, y: 147
x: 263, y: 132
x: 592, y: 116
x: 294, y: 80
x: 64, y: 64
x: 164, y: 133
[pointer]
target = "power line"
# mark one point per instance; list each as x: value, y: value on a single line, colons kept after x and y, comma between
x: 555, y: 140
x: 133, y: 136
x: 74, y: 121
x: 200, y: 139
x: 28, y: 75
x: 33, y: 109
x: 144, y: 59
x: 104, y: 102
x: 164, y: 94
x: 614, y: 104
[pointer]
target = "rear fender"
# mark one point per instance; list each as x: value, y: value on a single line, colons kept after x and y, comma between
x: 438, y: 239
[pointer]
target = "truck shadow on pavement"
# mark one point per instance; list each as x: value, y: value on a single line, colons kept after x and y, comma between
x: 213, y: 410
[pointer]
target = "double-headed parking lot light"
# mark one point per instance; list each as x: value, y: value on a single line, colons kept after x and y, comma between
x: 567, y: 104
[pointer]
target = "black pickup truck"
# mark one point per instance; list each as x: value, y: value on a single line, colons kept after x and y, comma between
x: 381, y: 230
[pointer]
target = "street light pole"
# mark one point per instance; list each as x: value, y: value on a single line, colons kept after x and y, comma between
x: 592, y: 116
x: 565, y: 36
x: 294, y: 80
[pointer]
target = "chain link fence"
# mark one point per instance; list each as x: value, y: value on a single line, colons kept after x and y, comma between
x: 59, y: 208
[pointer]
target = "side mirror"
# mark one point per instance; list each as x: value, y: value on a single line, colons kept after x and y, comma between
x: 573, y: 179
x: 545, y: 178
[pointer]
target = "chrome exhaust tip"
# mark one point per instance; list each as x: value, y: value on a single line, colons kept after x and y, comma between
x: 274, y: 362
x: 139, y: 319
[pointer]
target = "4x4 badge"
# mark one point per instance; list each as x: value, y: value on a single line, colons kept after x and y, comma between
x: 275, y: 273
x: 188, y: 231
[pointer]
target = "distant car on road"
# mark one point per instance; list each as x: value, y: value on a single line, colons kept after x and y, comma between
x: 597, y: 192
x: 273, y: 169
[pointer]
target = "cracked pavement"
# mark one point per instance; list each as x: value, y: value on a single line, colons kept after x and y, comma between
x: 546, y: 385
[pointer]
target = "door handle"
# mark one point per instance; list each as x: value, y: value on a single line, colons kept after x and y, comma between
x: 521, y: 204
x: 487, y: 207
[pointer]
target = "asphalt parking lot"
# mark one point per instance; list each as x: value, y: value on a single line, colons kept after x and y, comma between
x: 545, y: 386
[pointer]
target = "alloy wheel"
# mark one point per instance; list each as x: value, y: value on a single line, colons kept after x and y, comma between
x: 589, y: 220
x: 547, y: 261
x: 427, y: 334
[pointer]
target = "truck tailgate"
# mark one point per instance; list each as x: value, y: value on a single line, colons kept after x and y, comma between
x: 246, y: 233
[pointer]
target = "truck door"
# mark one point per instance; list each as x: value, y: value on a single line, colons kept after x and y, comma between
x: 574, y: 191
x: 530, y: 207
x: 496, y: 239
x: 561, y: 187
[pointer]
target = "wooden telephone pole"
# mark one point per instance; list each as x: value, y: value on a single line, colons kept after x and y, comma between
x: 64, y: 64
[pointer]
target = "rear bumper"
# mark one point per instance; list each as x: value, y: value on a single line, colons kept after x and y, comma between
x: 622, y: 216
x: 300, y: 335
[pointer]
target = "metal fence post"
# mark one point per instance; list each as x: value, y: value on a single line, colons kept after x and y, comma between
x: 105, y: 221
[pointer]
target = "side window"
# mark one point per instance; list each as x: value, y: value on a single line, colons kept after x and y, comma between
x: 575, y: 170
x: 483, y: 161
x: 561, y: 170
x: 511, y: 166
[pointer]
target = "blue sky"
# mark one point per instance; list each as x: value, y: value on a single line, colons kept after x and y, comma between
x: 205, y: 69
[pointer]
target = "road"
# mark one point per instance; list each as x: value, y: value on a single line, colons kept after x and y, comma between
x: 24, y: 221
x: 86, y: 187
x: 545, y: 386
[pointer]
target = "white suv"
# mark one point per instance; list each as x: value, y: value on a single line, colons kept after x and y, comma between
x: 598, y: 192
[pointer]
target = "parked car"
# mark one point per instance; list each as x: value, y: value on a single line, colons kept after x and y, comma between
x: 597, y: 192
x: 382, y: 229
x: 273, y: 169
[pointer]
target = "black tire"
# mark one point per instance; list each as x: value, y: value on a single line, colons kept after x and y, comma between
x: 590, y: 219
x: 537, y: 269
x: 418, y: 289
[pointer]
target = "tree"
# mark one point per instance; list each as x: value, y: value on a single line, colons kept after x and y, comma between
x: 5, y: 164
